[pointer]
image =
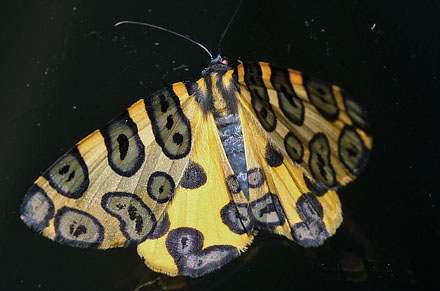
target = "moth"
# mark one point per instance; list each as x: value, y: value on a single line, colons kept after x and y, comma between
x: 190, y: 173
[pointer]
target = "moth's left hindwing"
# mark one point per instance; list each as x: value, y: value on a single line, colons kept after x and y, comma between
x: 158, y: 176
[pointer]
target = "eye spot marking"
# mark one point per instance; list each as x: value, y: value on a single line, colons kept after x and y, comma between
x: 259, y: 96
x: 289, y: 103
x: 355, y: 112
x: 309, y: 207
x: 255, y: 178
x: 319, y: 161
x: 264, y: 112
x: 171, y: 128
x: 233, y: 184
x: 37, y: 208
x: 236, y: 217
x: 69, y: 175
x: 268, y: 211
x: 185, y: 245
x: 161, y: 228
x: 316, y: 188
x: 78, y: 228
x: 125, y: 150
x: 352, y: 151
x: 294, y: 147
x: 321, y: 96
x: 311, y: 231
x: 136, y: 220
x: 194, y: 176
x: 161, y: 187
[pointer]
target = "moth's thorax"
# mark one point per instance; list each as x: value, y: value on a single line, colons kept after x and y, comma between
x: 218, y: 100
x: 217, y: 90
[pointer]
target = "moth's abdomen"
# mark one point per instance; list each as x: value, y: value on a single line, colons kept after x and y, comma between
x: 217, y: 95
x: 229, y: 128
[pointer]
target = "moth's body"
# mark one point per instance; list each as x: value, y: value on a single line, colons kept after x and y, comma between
x: 218, y: 96
x: 190, y: 172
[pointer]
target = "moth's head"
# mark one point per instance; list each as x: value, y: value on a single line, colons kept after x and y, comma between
x: 217, y: 64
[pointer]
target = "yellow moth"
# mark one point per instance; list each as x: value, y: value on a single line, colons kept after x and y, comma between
x: 190, y: 173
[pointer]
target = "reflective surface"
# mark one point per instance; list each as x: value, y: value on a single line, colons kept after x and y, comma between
x: 66, y: 71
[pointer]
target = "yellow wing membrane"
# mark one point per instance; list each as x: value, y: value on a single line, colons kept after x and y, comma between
x: 190, y: 173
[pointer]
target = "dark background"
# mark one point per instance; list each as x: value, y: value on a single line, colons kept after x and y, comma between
x: 65, y: 71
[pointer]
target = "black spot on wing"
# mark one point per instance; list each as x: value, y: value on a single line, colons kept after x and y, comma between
x: 312, y: 231
x: 185, y: 246
x: 233, y: 184
x: 37, y: 208
x: 191, y: 87
x: 236, y: 218
x: 316, y: 188
x: 273, y: 157
x: 194, y: 176
x: 161, y: 227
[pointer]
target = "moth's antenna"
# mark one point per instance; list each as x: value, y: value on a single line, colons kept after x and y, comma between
x: 227, y: 26
x: 167, y: 30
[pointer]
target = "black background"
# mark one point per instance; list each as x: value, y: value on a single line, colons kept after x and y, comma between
x: 65, y: 71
